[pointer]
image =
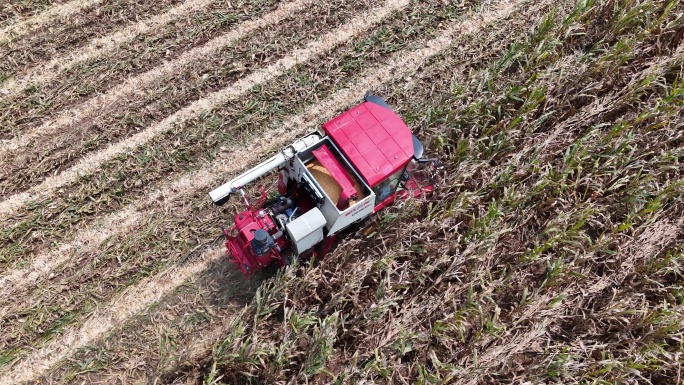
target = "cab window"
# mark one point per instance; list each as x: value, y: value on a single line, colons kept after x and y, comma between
x: 387, y: 187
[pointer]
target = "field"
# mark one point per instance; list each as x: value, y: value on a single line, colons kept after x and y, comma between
x: 552, y: 250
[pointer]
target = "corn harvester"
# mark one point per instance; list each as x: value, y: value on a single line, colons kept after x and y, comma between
x: 328, y: 181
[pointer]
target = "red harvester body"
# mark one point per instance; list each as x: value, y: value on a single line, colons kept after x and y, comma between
x: 327, y: 181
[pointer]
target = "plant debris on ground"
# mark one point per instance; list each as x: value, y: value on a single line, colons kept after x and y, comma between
x: 550, y: 252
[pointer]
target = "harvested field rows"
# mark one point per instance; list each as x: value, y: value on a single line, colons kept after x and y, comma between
x: 110, y: 60
x: 52, y: 259
x: 550, y: 253
x: 60, y: 36
x: 20, y: 18
x: 135, y: 172
x: 114, y: 97
x: 116, y: 254
x: 163, y: 95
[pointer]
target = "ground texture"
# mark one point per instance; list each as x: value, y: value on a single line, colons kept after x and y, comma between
x: 551, y: 252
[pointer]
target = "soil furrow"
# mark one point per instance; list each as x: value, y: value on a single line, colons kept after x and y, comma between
x: 24, y: 24
x: 414, y: 60
x: 77, y: 43
x: 115, y: 97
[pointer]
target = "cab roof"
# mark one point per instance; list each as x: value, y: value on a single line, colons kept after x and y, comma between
x: 374, y: 139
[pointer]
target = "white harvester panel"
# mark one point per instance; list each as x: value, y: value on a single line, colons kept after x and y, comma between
x: 307, y: 230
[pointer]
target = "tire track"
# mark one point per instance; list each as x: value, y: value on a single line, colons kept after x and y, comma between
x: 27, y: 25
x: 92, y: 163
x: 128, y: 305
x: 99, y: 103
x: 47, y: 72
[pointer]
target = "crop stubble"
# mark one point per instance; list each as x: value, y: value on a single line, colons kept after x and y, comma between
x: 90, y: 163
x: 116, y: 167
x: 11, y: 12
x: 489, y: 347
x: 390, y: 71
x: 172, y: 153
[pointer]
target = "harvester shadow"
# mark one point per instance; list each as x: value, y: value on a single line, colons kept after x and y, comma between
x: 222, y: 288
x: 223, y: 284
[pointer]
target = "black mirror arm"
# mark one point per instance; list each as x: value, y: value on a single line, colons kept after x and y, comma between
x: 435, y: 163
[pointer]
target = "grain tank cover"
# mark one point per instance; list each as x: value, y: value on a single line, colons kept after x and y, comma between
x: 376, y: 140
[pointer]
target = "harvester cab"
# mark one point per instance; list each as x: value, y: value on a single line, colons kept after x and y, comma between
x: 362, y: 160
